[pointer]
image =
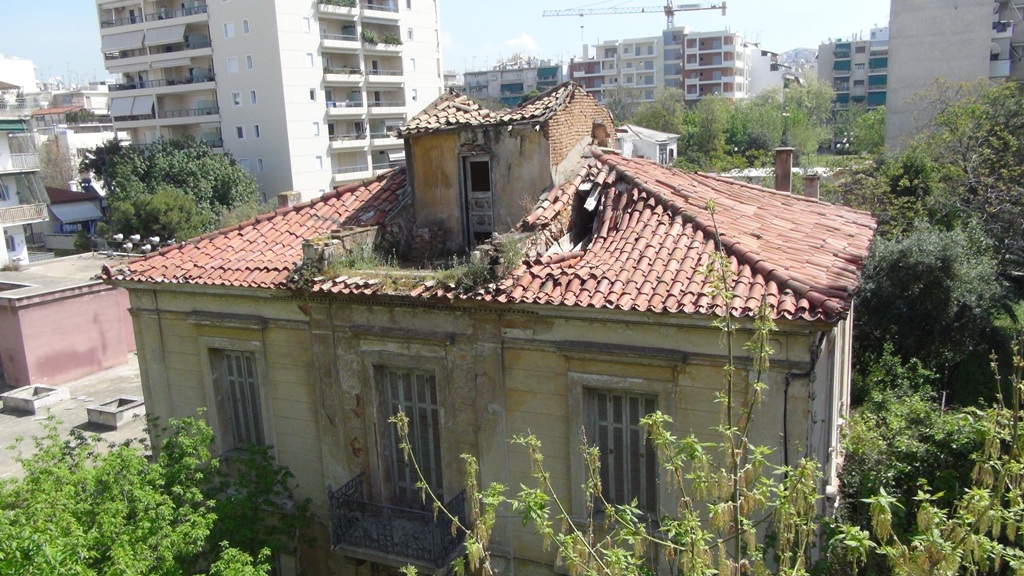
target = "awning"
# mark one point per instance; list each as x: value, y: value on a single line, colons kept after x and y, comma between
x: 76, y: 212
x: 142, y: 106
x: 396, y: 155
x: 123, y: 41
x: 121, y: 106
x: 171, y: 63
x: 124, y: 68
x: 165, y: 35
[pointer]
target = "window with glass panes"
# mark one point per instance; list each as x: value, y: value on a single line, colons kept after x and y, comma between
x: 629, y: 468
x: 414, y: 392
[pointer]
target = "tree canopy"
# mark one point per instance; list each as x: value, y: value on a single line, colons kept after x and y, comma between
x: 186, y: 177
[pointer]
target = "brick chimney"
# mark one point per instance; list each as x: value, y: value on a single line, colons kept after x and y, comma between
x: 784, y: 169
x: 288, y: 199
x: 812, y: 185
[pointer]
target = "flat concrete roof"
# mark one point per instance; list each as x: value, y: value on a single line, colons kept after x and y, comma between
x: 48, y: 276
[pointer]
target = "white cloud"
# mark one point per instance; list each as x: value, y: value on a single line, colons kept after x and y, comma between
x: 524, y: 43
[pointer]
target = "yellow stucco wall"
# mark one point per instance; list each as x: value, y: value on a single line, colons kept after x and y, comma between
x: 498, y: 374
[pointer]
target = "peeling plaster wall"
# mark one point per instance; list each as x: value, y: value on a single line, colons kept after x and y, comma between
x: 498, y: 374
x: 520, y: 171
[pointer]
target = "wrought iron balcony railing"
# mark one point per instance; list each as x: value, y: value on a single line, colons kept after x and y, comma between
x: 406, y: 535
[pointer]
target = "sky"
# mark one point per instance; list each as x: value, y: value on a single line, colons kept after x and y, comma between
x: 62, y: 36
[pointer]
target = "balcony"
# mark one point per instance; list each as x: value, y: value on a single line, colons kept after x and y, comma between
x: 344, y: 108
x: 381, y: 10
x: 16, y: 110
x: 999, y: 68
x: 352, y: 141
x: 385, y: 76
x: 400, y: 536
x: 1002, y: 29
x: 23, y: 214
x: 387, y: 107
x: 14, y: 163
x: 154, y: 17
x: 332, y: 41
x: 161, y: 83
x: 190, y: 112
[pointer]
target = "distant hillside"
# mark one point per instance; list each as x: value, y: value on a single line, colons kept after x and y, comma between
x: 800, y: 59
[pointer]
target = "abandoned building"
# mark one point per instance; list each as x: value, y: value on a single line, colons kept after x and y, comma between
x: 292, y: 330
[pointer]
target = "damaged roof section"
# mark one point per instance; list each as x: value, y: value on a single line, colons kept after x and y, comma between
x: 455, y: 110
x: 624, y: 234
x: 636, y: 235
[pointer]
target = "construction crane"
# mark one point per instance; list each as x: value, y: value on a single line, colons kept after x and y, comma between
x: 668, y: 9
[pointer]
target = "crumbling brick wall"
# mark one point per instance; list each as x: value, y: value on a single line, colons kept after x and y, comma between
x: 573, y: 122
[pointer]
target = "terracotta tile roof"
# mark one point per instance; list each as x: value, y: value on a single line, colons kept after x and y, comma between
x: 65, y: 196
x: 452, y: 110
x: 260, y: 253
x: 58, y: 110
x: 651, y: 236
x: 455, y: 110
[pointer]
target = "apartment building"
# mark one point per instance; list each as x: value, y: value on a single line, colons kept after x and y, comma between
x: 857, y: 68
x: 953, y: 40
x: 305, y: 96
x: 509, y: 81
x: 699, y: 63
x: 22, y: 196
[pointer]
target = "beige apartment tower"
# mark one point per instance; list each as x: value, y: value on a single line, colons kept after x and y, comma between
x: 305, y: 95
x: 952, y: 40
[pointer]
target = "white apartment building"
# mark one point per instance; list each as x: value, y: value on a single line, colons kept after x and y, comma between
x: 699, y: 63
x: 305, y: 95
x: 511, y: 80
x: 22, y: 196
x: 952, y: 40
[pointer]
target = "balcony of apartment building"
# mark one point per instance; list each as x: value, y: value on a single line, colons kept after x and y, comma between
x: 1002, y: 29
x: 166, y: 48
x: 383, y: 133
x: 395, y: 535
x: 609, y: 53
x: 878, y: 82
x: 115, y: 14
x: 22, y: 214
x: 337, y: 8
x: 342, y: 106
x: 20, y: 162
x: 387, y: 157
x: 350, y: 135
x: 384, y: 71
x: 350, y: 165
x: 380, y: 10
x: 842, y: 50
x: 172, y: 110
x: 171, y: 79
x: 878, y: 65
x: 339, y: 36
x: 380, y: 38
x: 342, y: 69
x: 710, y: 45
x: 386, y: 102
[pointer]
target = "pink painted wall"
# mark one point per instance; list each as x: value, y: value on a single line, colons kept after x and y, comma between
x: 67, y: 338
x: 12, y: 353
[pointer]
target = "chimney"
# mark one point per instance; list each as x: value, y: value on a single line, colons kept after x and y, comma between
x: 812, y: 183
x: 783, y: 169
x: 288, y: 199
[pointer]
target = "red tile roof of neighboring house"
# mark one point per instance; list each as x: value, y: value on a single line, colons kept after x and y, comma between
x: 651, y: 238
x: 455, y: 110
x: 65, y: 196
x: 260, y: 253
x: 58, y: 110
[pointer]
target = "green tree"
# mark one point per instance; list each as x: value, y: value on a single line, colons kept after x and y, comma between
x: 867, y: 135
x: 166, y: 212
x: 666, y: 114
x: 214, y: 182
x: 932, y: 293
x: 86, y: 507
x: 622, y: 102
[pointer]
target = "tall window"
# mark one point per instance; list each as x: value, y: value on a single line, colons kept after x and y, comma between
x: 413, y: 392
x: 235, y: 374
x: 629, y: 468
x: 229, y: 29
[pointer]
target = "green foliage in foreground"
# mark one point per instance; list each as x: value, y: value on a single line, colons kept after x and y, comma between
x: 85, y: 507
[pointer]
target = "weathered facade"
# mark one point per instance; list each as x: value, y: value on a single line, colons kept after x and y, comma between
x: 614, y: 312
